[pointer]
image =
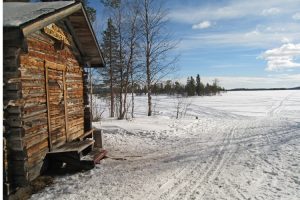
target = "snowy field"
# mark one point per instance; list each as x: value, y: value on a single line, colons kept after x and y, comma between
x: 244, y: 145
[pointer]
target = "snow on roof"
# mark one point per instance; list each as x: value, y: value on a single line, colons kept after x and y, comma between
x: 17, y: 13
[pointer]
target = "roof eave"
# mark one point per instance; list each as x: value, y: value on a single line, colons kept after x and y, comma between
x: 45, y: 20
x: 95, y: 39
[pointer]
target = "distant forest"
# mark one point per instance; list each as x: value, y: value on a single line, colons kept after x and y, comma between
x: 261, y: 89
x: 192, y: 87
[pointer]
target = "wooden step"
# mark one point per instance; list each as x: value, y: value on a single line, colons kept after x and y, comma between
x: 67, y: 158
x: 73, y: 147
x: 95, y: 156
x: 102, y: 153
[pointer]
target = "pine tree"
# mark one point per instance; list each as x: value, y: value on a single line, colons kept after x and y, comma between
x: 207, y: 89
x: 193, y: 87
x: 168, y: 87
x: 91, y: 12
x: 198, y: 85
x: 187, y: 85
x: 179, y: 89
x: 190, y: 86
x: 110, y: 52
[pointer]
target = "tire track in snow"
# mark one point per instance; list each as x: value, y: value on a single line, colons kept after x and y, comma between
x: 184, y: 190
x: 225, y: 154
x: 279, y: 107
x: 264, y: 144
x: 173, y: 186
x: 168, y: 187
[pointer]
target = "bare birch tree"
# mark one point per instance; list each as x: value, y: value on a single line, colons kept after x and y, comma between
x: 124, y: 15
x: 131, y: 42
x: 156, y: 45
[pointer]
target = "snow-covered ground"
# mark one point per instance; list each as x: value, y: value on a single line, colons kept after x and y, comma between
x: 244, y: 145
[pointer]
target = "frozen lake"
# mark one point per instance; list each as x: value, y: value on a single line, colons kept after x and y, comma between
x: 244, y: 145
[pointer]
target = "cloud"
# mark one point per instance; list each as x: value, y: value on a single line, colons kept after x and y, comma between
x: 238, y: 26
x: 282, y: 58
x: 252, y: 39
x: 270, y: 11
x: 192, y: 15
x: 296, y: 16
x: 262, y: 36
x: 234, y: 9
x: 202, y: 25
x: 286, y: 40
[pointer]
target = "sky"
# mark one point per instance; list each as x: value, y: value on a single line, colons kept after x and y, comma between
x: 242, y: 43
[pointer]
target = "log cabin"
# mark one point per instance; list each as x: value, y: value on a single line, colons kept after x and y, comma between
x: 48, y: 50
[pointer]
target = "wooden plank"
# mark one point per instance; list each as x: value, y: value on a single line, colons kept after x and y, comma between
x: 73, y: 147
x: 75, y: 38
x: 35, y: 171
x: 99, y: 156
x: 35, y: 139
x: 66, y: 105
x: 48, y: 107
x: 90, y: 132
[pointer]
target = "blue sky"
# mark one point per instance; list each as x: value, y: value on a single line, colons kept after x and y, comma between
x: 242, y: 43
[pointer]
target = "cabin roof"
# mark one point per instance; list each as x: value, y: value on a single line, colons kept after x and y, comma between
x: 19, y: 13
x: 30, y: 17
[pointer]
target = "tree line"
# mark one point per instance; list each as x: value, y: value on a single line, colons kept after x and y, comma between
x: 193, y: 87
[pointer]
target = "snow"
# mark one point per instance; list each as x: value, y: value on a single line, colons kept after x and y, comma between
x: 244, y: 145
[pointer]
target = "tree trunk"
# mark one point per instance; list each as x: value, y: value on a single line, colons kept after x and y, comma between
x: 132, y: 94
x: 149, y: 102
x: 125, y: 94
x: 149, y: 86
x: 121, y: 96
x: 148, y: 50
x: 112, y: 96
x: 121, y: 64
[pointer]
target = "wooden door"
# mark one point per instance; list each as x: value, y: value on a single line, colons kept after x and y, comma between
x: 56, y: 97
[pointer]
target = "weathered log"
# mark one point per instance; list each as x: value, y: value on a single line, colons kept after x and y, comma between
x: 16, y: 144
x: 14, y: 121
x: 35, y: 171
x: 35, y: 139
x: 15, y: 132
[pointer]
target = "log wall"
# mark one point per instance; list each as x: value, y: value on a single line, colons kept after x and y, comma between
x: 12, y: 94
x: 43, y: 96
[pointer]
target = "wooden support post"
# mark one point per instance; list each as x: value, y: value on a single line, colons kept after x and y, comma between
x: 91, y: 95
x: 66, y: 104
x: 48, y: 106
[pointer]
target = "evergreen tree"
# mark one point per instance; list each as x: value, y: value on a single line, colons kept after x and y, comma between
x: 186, y: 88
x: 207, y: 89
x: 162, y: 90
x: 168, y: 87
x: 155, y: 89
x: 193, y: 86
x: 110, y: 52
x: 91, y: 12
x: 179, y: 89
x: 190, y: 86
x: 198, y: 85
x: 215, y: 87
